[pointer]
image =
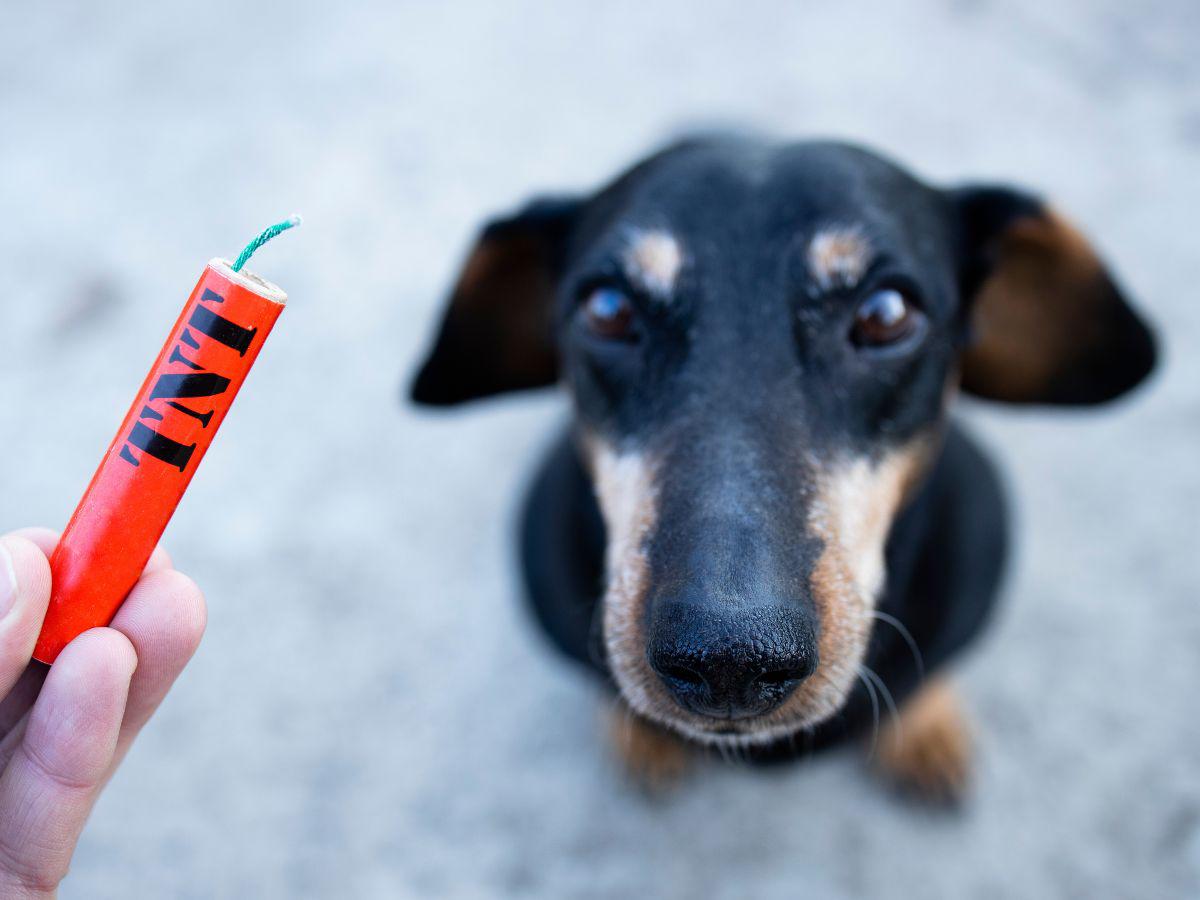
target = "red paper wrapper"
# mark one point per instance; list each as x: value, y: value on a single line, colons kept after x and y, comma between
x: 152, y: 459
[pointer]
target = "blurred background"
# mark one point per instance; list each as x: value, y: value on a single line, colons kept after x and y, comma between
x: 371, y: 713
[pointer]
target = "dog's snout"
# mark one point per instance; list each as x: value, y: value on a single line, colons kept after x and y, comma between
x: 731, y: 663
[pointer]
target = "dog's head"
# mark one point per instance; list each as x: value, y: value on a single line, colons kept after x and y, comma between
x: 760, y: 341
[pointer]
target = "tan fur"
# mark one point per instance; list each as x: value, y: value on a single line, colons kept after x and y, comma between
x: 652, y: 757
x: 928, y: 750
x: 654, y: 259
x: 852, y: 513
x: 838, y: 257
x: 627, y: 495
x: 1036, y: 311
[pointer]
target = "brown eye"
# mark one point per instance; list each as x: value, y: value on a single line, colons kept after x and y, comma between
x: 609, y: 314
x: 885, y: 317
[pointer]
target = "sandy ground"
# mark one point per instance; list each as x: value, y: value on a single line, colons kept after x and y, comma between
x: 371, y: 714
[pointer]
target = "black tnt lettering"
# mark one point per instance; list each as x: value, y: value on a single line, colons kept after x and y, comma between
x: 222, y: 330
x: 159, y: 446
x: 197, y: 384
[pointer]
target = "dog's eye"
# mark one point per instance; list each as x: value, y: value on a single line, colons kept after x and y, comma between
x: 885, y: 317
x: 609, y: 314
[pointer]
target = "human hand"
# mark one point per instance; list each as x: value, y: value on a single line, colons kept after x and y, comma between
x: 65, y: 728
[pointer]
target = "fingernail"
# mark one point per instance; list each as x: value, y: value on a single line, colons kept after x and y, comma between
x: 8, y: 581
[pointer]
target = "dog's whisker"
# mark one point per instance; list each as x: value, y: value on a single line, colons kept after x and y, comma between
x: 907, y: 636
x: 874, y: 711
x: 887, y: 699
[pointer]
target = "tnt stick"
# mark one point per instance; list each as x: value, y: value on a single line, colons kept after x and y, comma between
x: 154, y: 455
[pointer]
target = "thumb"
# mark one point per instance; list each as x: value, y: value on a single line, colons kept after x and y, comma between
x: 24, y: 595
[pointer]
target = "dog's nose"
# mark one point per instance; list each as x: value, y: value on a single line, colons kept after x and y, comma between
x: 731, y: 663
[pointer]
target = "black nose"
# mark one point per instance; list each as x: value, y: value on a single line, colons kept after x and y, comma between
x: 731, y: 663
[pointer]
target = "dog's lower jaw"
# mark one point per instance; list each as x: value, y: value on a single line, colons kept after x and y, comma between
x: 742, y: 734
x: 925, y: 752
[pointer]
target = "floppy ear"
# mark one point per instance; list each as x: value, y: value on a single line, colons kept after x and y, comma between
x: 498, y: 330
x: 1047, y: 322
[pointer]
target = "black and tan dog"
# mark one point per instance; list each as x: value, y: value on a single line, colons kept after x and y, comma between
x: 763, y: 521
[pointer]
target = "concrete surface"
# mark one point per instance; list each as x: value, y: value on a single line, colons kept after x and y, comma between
x: 370, y: 714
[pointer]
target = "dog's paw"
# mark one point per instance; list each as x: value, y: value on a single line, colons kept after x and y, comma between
x: 653, y: 758
x: 927, y: 751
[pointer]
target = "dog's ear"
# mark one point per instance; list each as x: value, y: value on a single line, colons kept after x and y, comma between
x: 1046, y: 322
x: 497, y: 333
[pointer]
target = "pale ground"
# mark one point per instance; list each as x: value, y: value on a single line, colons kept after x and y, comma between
x: 371, y: 714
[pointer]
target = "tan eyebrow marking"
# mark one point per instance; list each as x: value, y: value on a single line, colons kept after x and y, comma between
x: 838, y: 256
x: 654, y: 258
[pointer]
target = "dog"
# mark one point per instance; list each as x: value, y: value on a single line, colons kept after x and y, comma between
x: 763, y: 525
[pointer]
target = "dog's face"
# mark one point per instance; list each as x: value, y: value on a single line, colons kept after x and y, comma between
x: 760, y: 342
